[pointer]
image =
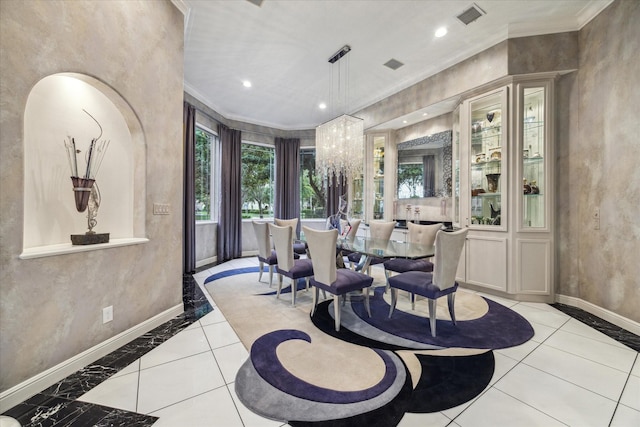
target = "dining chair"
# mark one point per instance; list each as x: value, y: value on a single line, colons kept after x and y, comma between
x: 337, y: 281
x: 299, y: 248
x: 288, y: 266
x: 436, y: 284
x: 423, y: 235
x: 266, y: 255
x: 379, y: 230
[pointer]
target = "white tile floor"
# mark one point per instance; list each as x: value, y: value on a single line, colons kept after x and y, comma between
x: 567, y: 374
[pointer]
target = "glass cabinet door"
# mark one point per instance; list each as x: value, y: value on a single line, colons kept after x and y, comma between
x: 533, y: 157
x: 487, y: 157
x: 357, y: 201
x: 378, y: 177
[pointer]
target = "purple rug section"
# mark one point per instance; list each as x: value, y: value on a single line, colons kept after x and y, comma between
x: 501, y: 327
x: 266, y: 363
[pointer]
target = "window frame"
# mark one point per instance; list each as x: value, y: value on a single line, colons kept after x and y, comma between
x: 214, y: 184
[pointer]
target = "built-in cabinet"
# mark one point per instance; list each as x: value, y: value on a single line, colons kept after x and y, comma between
x: 371, y: 193
x: 503, y: 191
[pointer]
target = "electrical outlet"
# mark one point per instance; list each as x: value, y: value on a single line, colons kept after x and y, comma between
x: 161, y: 208
x: 596, y: 218
x: 107, y: 314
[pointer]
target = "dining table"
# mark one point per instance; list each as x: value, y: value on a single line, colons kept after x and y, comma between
x: 379, y: 248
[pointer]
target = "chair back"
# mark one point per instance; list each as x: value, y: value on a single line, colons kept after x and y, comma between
x: 354, y: 223
x: 448, y: 249
x: 423, y: 235
x: 322, y: 246
x: 381, y: 230
x: 293, y: 223
x: 262, y: 235
x: 283, y: 241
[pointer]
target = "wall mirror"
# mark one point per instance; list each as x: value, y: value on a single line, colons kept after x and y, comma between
x: 424, y: 167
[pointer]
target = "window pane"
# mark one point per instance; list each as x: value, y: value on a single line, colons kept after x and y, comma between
x: 257, y: 181
x: 203, y: 174
x: 312, y: 192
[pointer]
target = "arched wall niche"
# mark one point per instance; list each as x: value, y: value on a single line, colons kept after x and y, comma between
x: 53, y: 113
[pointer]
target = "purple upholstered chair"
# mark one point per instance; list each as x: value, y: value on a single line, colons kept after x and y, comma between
x: 440, y: 282
x: 379, y: 230
x: 423, y: 235
x: 288, y: 266
x: 338, y: 282
x: 266, y: 255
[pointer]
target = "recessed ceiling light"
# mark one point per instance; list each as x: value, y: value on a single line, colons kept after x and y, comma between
x: 441, y: 32
x: 404, y: 121
x: 425, y: 114
x: 322, y: 106
x: 246, y: 83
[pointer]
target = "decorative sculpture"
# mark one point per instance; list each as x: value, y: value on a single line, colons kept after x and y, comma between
x: 86, y: 191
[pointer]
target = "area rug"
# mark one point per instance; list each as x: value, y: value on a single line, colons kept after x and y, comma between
x: 374, y: 370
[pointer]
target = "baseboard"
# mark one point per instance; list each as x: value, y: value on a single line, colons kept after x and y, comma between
x: 206, y: 261
x: 23, y: 391
x: 603, y: 313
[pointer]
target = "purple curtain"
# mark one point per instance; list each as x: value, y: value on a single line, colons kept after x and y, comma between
x: 189, y: 193
x: 287, y: 191
x: 337, y: 188
x: 229, y: 242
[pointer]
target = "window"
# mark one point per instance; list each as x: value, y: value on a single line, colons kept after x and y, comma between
x: 257, y: 180
x: 312, y: 192
x: 206, y: 147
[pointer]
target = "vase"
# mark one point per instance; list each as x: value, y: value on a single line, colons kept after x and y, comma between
x: 82, y: 191
x: 492, y: 182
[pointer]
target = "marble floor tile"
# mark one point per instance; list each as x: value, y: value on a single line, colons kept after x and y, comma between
x: 249, y: 418
x: 559, y: 399
x: 220, y: 334
x: 553, y: 319
x: 436, y: 419
x: 503, y: 364
x: 499, y: 300
x: 574, y: 326
x: 185, y: 344
x: 166, y: 384
x: 621, y: 358
x: 215, y: 316
x: 631, y: 394
x: 518, y: 352
x: 636, y: 367
x: 117, y: 392
x: 593, y: 376
x: 229, y: 359
x: 625, y: 417
x: 541, y: 332
x: 495, y: 408
x: 214, y: 408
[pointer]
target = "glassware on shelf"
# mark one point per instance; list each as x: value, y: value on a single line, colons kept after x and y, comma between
x: 534, y: 187
x: 492, y: 182
x: 526, y: 187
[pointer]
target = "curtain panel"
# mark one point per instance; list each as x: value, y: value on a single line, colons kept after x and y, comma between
x: 229, y: 242
x: 189, y: 192
x: 287, y: 191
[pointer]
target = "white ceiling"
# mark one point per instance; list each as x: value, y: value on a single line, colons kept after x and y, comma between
x: 283, y: 47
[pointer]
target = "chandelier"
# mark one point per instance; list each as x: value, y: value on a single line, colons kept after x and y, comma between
x: 340, y: 142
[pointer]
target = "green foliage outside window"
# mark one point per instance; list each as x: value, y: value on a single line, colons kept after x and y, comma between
x: 410, y: 180
x: 312, y: 193
x: 257, y: 181
x: 203, y: 174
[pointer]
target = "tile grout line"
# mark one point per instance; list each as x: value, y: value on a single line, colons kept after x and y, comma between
x: 623, y: 389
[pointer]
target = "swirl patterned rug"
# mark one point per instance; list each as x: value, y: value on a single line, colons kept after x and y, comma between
x: 374, y: 370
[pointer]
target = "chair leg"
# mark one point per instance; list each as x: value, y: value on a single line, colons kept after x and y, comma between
x: 294, y: 291
x: 387, y: 274
x: 279, y: 286
x: 270, y: 275
x: 315, y: 300
x: 366, y: 301
x: 261, y: 271
x: 306, y: 282
x: 413, y: 300
x: 432, y: 316
x: 451, y: 298
x: 394, y: 299
x: 336, y: 311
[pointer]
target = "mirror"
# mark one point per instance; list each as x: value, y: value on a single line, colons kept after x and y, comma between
x: 424, y: 167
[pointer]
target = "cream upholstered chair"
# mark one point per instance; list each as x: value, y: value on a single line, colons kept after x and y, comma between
x: 288, y: 266
x: 299, y: 248
x: 423, y: 235
x: 336, y: 281
x: 379, y: 230
x: 436, y: 284
x: 266, y: 255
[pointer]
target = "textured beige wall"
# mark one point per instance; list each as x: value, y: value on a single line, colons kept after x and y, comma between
x: 51, y: 308
x: 597, y: 165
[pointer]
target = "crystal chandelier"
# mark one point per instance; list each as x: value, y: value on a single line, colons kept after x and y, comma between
x: 340, y: 142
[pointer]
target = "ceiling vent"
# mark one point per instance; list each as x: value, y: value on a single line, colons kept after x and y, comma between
x: 471, y: 14
x: 394, y: 64
x: 256, y: 2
